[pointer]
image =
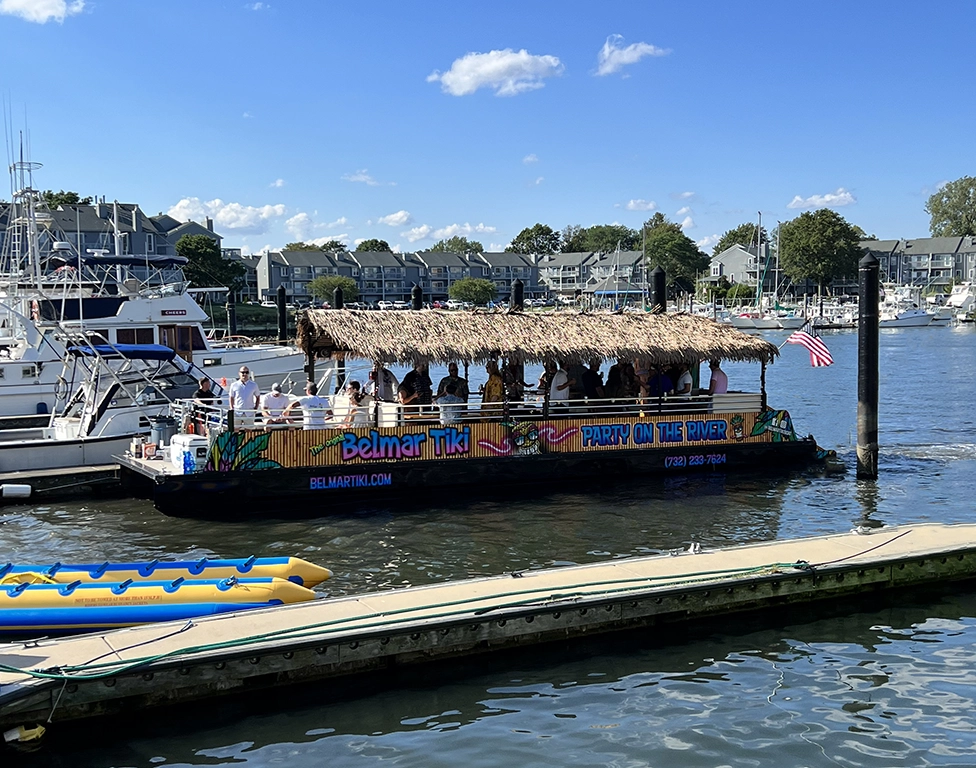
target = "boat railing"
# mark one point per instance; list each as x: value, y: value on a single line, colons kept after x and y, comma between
x: 212, y: 419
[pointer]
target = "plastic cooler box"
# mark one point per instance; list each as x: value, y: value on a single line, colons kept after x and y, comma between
x: 188, y: 452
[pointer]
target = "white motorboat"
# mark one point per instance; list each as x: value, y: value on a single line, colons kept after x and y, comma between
x: 51, y: 296
x: 107, y: 396
x: 911, y: 317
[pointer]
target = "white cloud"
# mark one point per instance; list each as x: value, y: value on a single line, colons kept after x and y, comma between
x: 707, y: 243
x: 243, y: 219
x: 398, y: 219
x: 246, y: 115
x: 42, y: 11
x: 277, y: 183
x: 363, y: 177
x: 417, y: 233
x: 613, y: 57
x: 507, y: 72
x: 340, y: 222
x: 831, y: 200
x: 454, y: 230
x: 257, y: 6
x: 497, y: 247
x: 688, y: 223
x: 300, y: 225
x: 640, y: 205
x: 343, y: 238
x: 528, y: 159
x: 538, y: 181
x: 682, y: 195
x: 683, y: 211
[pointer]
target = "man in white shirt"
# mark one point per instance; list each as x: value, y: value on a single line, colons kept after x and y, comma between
x: 245, y: 398
x: 273, y: 405
x: 559, y: 389
x: 314, y: 408
x: 382, y: 384
x: 685, y: 382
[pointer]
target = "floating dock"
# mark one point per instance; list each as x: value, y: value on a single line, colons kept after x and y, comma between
x: 63, y: 483
x: 173, y: 663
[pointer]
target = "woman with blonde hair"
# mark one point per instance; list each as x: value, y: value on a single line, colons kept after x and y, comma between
x: 493, y: 391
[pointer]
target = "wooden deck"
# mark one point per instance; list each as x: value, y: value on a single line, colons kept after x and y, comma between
x: 105, y: 673
x: 66, y: 482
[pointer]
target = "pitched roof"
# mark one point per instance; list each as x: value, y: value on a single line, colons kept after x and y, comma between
x: 437, y: 336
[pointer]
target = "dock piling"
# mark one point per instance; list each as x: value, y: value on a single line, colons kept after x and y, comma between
x: 867, y: 369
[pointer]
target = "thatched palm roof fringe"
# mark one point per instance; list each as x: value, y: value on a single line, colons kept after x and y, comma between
x: 435, y: 336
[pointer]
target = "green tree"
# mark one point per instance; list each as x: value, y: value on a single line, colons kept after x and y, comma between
x: 458, y: 244
x: 373, y: 246
x: 205, y: 266
x: 540, y: 239
x: 332, y: 245
x: 819, y: 246
x: 573, y: 238
x: 54, y: 199
x: 473, y: 289
x: 300, y: 246
x: 666, y: 246
x: 740, y: 291
x: 606, y: 238
x: 953, y: 209
x: 324, y: 287
x: 744, y: 235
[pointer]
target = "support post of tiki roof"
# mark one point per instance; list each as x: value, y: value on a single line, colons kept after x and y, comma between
x: 337, y: 298
x: 659, y: 293
x: 518, y: 295
x: 416, y: 297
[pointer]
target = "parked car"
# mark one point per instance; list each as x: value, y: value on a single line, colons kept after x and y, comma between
x: 268, y: 304
x: 401, y: 305
x: 384, y: 304
x: 355, y: 305
x: 454, y: 304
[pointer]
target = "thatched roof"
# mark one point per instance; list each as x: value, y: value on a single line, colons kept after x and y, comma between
x: 436, y: 336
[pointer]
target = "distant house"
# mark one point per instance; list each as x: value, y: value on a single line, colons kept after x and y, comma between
x: 744, y: 264
x: 928, y: 262
x: 565, y: 273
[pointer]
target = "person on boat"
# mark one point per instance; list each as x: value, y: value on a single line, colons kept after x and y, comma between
x: 382, y: 384
x: 273, y: 405
x: 359, y: 405
x: 546, y: 377
x: 512, y: 375
x: 314, y: 408
x: 659, y: 384
x: 685, y: 382
x: 451, y: 405
x: 245, y: 398
x: 205, y: 398
x: 460, y: 383
x: 419, y: 382
x: 493, y: 390
x: 407, y: 399
x: 559, y: 389
x: 719, y: 382
x: 593, y: 382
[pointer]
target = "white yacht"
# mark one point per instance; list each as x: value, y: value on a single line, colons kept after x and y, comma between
x: 51, y: 296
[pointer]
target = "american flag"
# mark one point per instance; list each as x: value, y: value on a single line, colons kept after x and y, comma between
x: 819, y: 354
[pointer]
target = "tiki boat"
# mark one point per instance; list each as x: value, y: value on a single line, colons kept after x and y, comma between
x: 393, y: 451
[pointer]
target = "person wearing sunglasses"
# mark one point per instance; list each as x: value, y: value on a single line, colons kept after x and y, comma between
x: 245, y: 398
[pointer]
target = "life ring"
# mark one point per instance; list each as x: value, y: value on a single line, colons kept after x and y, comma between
x: 60, y: 388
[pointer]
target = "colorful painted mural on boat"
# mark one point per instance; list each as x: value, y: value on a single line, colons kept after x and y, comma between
x: 248, y: 449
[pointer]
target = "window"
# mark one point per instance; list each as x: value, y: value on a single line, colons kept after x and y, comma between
x: 134, y: 336
x: 284, y: 272
x: 716, y: 270
x: 150, y: 243
x: 437, y: 270
x: 29, y: 372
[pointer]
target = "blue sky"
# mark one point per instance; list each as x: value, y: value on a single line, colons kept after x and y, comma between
x: 412, y: 122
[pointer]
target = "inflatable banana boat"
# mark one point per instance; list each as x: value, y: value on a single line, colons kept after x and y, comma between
x: 85, y: 597
x: 290, y: 568
x: 29, y: 608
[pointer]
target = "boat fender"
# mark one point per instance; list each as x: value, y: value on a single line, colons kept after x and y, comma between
x: 15, y: 491
x: 118, y: 589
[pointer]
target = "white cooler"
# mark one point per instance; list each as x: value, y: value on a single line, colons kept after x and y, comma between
x: 194, y: 445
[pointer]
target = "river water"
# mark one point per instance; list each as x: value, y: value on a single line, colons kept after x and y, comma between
x: 895, y: 687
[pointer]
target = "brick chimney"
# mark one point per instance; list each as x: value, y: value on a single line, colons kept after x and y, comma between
x: 209, y: 223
